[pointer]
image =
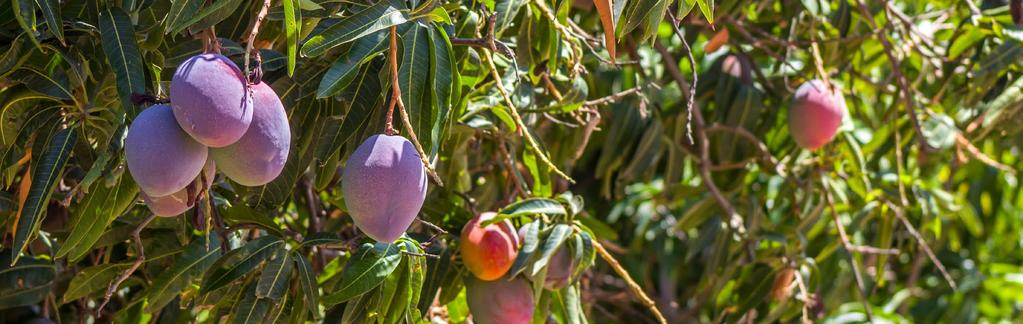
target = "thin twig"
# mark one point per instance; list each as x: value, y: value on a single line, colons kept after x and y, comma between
x: 906, y: 94
x: 636, y: 290
x: 396, y: 98
x: 612, y: 98
x: 806, y: 297
x: 139, y: 259
x: 314, y: 218
x: 483, y: 43
x: 844, y: 239
x: 432, y: 226
x: 866, y: 249
x: 520, y: 184
x: 927, y: 249
x: 255, y: 30
x: 427, y: 255
x: 692, y: 64
x: 980, y: 156
x: 735, y: 221
x: 531, y: 143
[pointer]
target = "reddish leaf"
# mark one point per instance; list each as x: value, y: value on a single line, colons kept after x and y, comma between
x: 604, y: 10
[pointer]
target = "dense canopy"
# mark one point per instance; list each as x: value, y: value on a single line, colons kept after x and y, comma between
x: 663, y: 160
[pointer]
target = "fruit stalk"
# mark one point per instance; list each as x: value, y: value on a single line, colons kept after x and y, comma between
x: 255, y: 30
x: 396, y: 94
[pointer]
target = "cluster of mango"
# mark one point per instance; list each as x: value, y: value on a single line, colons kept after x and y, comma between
x: 216, y: 119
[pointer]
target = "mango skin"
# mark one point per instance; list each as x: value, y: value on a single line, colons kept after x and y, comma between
x: 177, y: 203
x: 489, y: 251
x: 499, y: 301
x: 161, y: 157
x: 259, y: 156
x: 816, y: 114
x: 210, y: 100
x: 384, y: 186
x: 559, y: 269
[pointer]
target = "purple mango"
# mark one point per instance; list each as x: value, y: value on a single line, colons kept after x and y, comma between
x: 210, y: 100
x: 499, y: 301
x: 259, y: 156
x: 816, y: 114
x: 384, y: 185
x: 161, y: 157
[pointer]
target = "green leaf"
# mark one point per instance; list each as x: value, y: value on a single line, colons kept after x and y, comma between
x: 417, y: 269
x: 558, y: 235
x: 309, y: 118
x: 92, y: 279
x: 529, y: 244
x: 239, y: 262
x: 367, y: 95
x: 321, y: 238
x: 45, y: 177
x: 442, y: 76
x: 413, y: 80
x: 380, y: 15
x: 51, y: 11
x: 180, y: 11
x: 53, y: 84
x: 118, y: 37
x: 534, y: 206
x: 241, y: 214
x: 392, y: 294
x: 634, y: 14
x: 251, y: 309
x: 707, y: 9
x: 506, y: 10
x: 196, y: 259
x: 940, y: 131
x: 345, y: 69
x: 14, y: 56
x: 26, y: 282
x: 217, y: 11
x: 25, y: 14
x: 307, y: 279
x: 366, y: 270
x: 101, y: 206
x: 273, y: 282
x: 212, y: 15
x: 291, y: 30
x: 968, y: 40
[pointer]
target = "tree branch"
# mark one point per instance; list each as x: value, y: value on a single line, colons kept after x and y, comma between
x: 139, y: 259
x: 396, y: 99
x: 844, y: 239
x: 734, y: 220
x: 906, y: 93
x: 927, y: 249
x: 255, y: 30
x: 531, y: 143
x: 636, y: 290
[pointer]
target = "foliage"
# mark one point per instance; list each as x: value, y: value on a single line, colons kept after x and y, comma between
x: 528, y: 108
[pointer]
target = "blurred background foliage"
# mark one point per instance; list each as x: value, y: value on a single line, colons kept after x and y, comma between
x: 914, y: 213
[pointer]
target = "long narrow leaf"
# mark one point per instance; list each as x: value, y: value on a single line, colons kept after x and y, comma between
x: 118, y: 37
x: 292, y: 29
x: 45, y: 178
x: 380, y: 15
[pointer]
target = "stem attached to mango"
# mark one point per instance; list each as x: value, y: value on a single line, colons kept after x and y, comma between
x: 396, y: 100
